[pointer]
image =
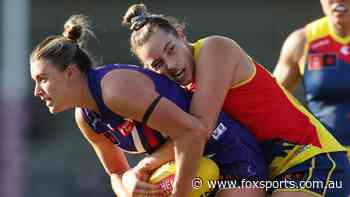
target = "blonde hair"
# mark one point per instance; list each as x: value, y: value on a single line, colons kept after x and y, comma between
x: 62, y: 50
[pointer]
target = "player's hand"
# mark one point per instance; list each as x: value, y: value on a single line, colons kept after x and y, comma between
x: 134, y: 180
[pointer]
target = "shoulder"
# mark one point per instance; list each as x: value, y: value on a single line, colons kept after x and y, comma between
x: 85, y: 129
x: 217, y: 45
x: 79, y: 117
x: 124, y: 81
x: 294, y: 45
x: 298, y: 36
x: 128, y: 93
x: 219, y: 41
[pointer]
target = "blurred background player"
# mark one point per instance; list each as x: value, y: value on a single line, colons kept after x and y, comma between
x: 221, y: 73
x: 319, y: 54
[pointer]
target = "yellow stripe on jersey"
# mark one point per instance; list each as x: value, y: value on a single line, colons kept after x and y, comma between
x: 301, y: 153
x: 247, y: 80
x: 322, y: 28
x: 196, y: 47
x: 319, y: 29
x: 315, y: 30
x: 199, y: 44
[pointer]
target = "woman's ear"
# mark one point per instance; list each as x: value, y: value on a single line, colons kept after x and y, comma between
x: 72, y: 70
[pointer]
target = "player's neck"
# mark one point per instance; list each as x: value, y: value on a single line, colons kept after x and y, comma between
x: 341, y: 30
x: 84, y: 96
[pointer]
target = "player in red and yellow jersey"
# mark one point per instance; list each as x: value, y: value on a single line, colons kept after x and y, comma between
x: 297, y: 146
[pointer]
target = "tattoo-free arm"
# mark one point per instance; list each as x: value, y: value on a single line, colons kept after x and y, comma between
x: 130, y: 93
x: 287, y: 71
x: 112, y: 159
x: 222, y: 63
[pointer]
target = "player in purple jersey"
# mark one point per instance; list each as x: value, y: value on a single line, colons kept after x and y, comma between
x: 105, y: 96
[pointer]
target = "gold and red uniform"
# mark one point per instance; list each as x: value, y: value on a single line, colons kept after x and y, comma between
x: 273, y: 114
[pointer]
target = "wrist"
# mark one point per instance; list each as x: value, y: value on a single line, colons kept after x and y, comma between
x: 117, y: 185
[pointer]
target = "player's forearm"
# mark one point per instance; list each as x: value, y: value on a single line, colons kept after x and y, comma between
x: 187, y: 155
x: 206, y: 114
x: 117, y: 186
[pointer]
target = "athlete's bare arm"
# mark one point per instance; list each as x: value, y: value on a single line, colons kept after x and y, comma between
x: 130, y: 93
x: 112, y: 159
x: 222, y: 64
x: 287, y: 71
x: 157, y: 158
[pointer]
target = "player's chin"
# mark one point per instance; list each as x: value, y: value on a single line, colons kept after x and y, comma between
x: 184, y: 81
x: 55, y: 109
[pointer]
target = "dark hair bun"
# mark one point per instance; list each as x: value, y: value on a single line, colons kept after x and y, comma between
x: 132, y: 12
x: 76, y: 27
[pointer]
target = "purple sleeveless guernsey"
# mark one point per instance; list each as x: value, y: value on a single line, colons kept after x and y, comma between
x: 230, y: 144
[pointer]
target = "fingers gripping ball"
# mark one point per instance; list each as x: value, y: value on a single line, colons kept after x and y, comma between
x: 208, y: 170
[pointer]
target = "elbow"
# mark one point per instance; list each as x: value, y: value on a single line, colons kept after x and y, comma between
x: 194, y: 134
x: 202, y: 131
x: 199, y: 135
x: 203, y: 125
x: 119, y: 172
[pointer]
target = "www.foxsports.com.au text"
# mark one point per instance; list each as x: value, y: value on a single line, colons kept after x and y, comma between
x: 197, y: 183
